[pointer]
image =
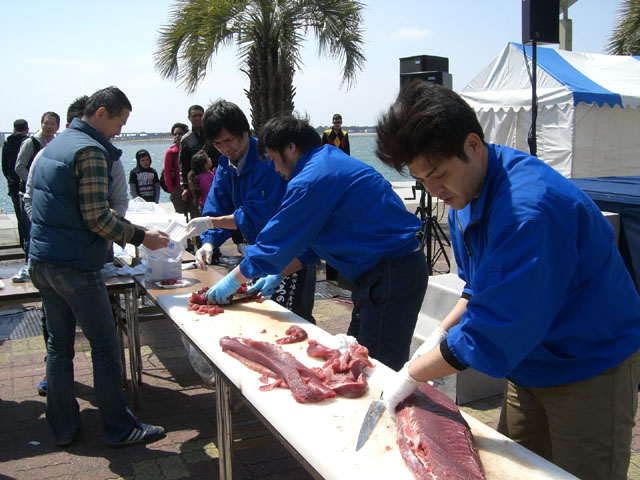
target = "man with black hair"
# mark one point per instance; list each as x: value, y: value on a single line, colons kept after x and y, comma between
x: 10, y: 151
x: 336, y: 136
x: 246, y: 193
x: 547, y: 301
x: 117, y: 197
x: 72, y: 227
x: 342, y: 210
x: 50, y: 123
x: 192, y: 142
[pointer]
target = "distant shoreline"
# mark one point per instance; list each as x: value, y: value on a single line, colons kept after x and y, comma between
x: 169, y: 138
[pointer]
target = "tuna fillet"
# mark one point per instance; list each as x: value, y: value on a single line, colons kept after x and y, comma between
x: 435, y: 441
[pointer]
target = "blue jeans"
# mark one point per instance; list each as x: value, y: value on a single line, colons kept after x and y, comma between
x: 386, y: 303
x: 70, y: 295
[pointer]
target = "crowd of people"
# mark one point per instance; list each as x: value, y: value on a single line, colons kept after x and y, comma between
x: 547, y: 303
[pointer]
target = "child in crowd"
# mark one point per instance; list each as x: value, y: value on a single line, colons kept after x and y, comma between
x: 143, y: 180
x: 200, y: 177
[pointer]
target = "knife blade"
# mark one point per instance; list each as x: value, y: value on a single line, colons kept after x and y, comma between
x: 370, y: 420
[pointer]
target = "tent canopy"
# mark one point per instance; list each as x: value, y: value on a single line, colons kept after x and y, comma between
x: 588, y: 116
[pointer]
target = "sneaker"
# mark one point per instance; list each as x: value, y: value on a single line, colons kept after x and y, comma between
x: 42, y: 387
x: 141, y: 433
x: 21, y: 275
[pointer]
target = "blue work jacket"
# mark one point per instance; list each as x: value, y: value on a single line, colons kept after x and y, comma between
x: 252, y: 197
x: 336, y: 208
x: 551, y: 300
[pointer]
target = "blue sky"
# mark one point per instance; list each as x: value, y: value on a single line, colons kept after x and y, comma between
x: 54, y: 52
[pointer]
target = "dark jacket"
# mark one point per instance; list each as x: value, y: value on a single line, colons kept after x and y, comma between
x: 58, y: 232
x: 191, y: 144
x: 10, y: 151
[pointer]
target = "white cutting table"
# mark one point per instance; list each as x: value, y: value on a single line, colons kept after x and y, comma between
x: 321, y: 436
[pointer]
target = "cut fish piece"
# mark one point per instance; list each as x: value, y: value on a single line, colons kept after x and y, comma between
x: 435, y: 441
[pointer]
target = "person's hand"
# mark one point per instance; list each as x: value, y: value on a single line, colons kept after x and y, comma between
x: 432, y: 341
x: 198, y: 226
x: 398, y: 387
x: 343, y: 341
x: 222, y: 290
x: 266, y: 285
x: 155, y: 239
x: 204, y: 255
x: 185, y: 195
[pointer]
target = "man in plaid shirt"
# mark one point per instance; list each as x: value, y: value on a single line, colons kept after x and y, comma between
x: 72, y: 226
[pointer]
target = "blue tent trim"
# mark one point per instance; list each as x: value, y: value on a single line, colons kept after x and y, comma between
x: 584, y: 89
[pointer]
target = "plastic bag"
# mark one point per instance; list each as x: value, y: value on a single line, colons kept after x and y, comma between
x: 199, y: 364
x: 164, y: 263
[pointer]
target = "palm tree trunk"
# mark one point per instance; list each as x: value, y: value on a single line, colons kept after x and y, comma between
x: 271, y: 89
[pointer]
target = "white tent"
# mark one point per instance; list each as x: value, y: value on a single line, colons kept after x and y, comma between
x: 588, y: 116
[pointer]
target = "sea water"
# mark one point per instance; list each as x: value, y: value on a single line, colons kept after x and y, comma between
x: 362, y: 148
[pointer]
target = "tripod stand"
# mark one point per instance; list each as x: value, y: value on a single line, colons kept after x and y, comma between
x: 431, y: 234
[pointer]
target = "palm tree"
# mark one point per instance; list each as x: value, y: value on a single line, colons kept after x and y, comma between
x: 625, y: 39
x: 269, y: 34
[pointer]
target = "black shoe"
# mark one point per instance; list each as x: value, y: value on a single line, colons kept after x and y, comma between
x: 42, y: 387
x: 140, y: 434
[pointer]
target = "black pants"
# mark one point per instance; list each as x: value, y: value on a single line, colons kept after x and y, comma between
x: 15, y: 199
x: 386, y: 303
x: 297, y: 291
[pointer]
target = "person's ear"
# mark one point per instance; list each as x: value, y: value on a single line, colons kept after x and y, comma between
x: 473, y: 145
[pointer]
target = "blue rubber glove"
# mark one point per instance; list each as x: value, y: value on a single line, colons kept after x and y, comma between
x: 266, y: 285
x: 222, y: 290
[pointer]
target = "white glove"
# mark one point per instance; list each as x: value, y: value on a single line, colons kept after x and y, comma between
x: 435, y: 339
x: 398, y: 387
x: 198, y: 226
x: 342, y: 341
x: 204, y: 255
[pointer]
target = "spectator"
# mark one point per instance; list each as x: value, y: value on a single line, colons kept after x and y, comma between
x: 200, y: 177
x: 172, y: 158
x: 143, y: 180
x: 72, y: 226
x: 336, y: 136
x: 50, y: 123
x: 10, y: 151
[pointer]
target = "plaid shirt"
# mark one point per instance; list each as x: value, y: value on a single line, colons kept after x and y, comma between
x: 93, y: 174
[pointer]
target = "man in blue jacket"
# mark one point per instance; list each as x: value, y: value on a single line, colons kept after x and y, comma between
x: 245, y: 194
x: 547, y: 301
x: 342, y: 210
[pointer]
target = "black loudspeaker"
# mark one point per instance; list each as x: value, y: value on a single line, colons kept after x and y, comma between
x: 424, y: 63
x: 540, y: 21
x: 441, y: 78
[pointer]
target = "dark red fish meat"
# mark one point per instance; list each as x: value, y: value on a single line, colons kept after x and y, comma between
x: 305, y: 384
x: 295, y: 334
x: 435, y: 441
x: 341, y: 374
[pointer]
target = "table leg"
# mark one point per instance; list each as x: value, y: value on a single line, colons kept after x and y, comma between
x: 134, y: 346
x: 225, y: 426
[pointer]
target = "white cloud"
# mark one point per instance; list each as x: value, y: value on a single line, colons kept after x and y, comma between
x: 411, y: 33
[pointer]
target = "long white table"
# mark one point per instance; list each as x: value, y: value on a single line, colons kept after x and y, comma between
x: 322, y: 436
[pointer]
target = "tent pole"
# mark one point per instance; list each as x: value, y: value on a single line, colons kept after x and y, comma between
x: 533, y: 147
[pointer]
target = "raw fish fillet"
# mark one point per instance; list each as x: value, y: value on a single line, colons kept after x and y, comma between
x: 295, y: 334
x: 341, y: 374
x: 305, y: 384
x: 435, y: 441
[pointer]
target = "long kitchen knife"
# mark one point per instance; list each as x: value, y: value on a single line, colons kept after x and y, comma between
x: 370, y: 419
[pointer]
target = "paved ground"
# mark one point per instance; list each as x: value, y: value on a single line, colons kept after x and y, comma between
x: 172, y: 395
